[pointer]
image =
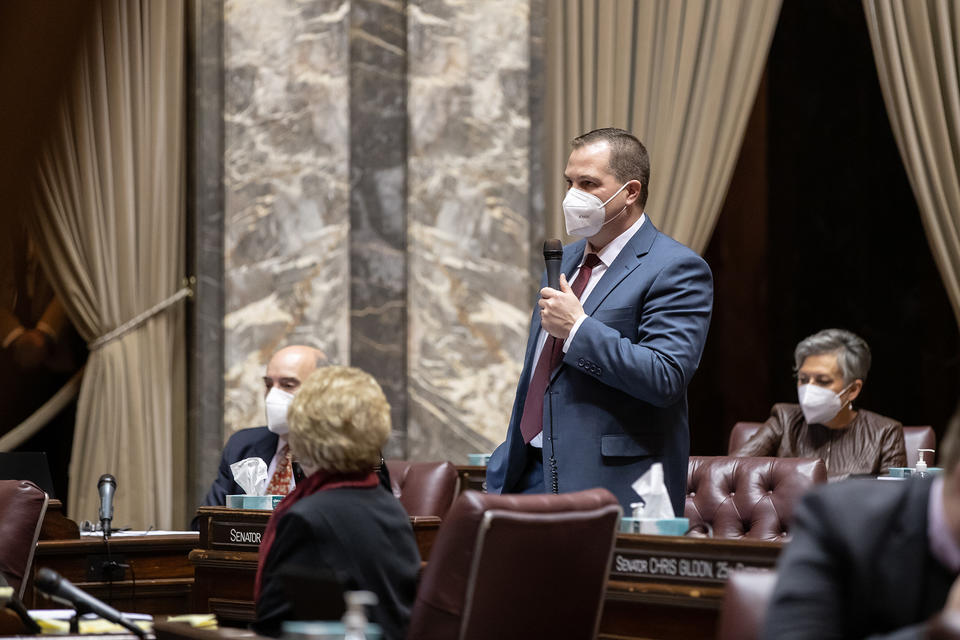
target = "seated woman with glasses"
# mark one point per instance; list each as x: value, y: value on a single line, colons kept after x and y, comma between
x: 339, y: 522
x: 832, y: 366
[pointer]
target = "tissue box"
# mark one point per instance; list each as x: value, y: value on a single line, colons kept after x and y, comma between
x: 906, y: 472
x: 242, y: 501
x: 478, y: 459
x: 655, y: 526
x: 298, y: 630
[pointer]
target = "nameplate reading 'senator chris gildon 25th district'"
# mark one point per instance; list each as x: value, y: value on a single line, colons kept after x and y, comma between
x: 680, y: 567
x: 236, y: 534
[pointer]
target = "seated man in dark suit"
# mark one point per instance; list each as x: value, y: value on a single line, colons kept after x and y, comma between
x: 287, y: 369
x: 872, y: 558
x: 338, y: 522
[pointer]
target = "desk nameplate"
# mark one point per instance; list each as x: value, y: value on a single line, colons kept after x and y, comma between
x: 694, y: 568
x: 236, y: 535
x: 700, y: 562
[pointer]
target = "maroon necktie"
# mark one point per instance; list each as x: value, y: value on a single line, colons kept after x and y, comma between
x: 532, y: 421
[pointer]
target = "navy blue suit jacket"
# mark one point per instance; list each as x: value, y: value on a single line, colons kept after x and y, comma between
x: 618, y: 401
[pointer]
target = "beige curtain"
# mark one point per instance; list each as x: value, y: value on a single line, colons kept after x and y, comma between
x: 682, y: 75
x: 111, y: 225
x: 916, y: 45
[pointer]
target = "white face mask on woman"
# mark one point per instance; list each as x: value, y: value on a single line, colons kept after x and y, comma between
x: 278, y: 403
x: 819, y: 404
x: 584, y: 213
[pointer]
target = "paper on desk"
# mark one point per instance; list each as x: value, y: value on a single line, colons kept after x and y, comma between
x: 651, y: 489
x: 251, y: 475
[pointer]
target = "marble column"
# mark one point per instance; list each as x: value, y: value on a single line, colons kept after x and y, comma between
x: 378, y: 204
x: 469, y: 291
x: 286, y: 177
x: 205, y: 244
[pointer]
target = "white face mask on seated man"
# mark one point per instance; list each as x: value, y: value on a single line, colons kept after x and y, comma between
x: 278, y: 403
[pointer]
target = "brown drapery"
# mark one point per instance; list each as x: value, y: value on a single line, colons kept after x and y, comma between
x: 682, y: 75
x: 111, y: 224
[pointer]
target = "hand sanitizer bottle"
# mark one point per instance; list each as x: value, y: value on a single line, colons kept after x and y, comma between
x: 921, y: 468
x: 355, y: 617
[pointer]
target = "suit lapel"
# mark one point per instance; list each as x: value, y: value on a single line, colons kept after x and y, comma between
x: 629, y: 259
x: 266, y: 447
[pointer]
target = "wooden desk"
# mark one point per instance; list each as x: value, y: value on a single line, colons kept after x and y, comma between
x: 159, y: 578
x: 672, y: 587
x: 225, y: 562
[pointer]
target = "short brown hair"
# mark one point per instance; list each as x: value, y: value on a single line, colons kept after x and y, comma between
x: 339, y: 420
x: 629, y: 159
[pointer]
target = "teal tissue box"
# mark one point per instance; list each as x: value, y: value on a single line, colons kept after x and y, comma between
x: 243, y: 501
x: 300, y: 630
x: 478, y: 459
x: 907, y: 472
x: 655, y: 526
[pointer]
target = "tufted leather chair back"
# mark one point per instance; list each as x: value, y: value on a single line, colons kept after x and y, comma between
x: 424, y: 488
x: 518, y: 566
x: 22, y: 507
x: 745, y: 599
x: 750, y: 498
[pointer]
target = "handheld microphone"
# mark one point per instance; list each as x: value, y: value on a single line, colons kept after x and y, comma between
x: 552, y: 257
x: 58, y: 587
x: 107, y: 486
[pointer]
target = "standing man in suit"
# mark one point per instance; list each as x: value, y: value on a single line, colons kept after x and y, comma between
x: 873, y: 559
x: 287, y: 369
x: 602, y: 395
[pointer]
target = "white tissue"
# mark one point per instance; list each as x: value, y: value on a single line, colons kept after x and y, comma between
x: 251, y: 475
x: 656, y: 500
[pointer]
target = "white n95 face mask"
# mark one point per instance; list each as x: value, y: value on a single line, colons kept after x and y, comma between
x: 278, y: 403
x: 584, y: 213
x: 819, y: 405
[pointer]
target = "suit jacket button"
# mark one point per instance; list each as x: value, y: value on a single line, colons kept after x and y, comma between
x: 580, y: 362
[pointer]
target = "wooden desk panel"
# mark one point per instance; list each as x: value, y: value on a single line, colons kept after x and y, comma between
x: 672, y: 587
x: 159, y: 580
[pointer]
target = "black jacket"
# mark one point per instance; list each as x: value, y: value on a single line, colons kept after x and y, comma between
x: 362, y: 536
x: 859, y: 564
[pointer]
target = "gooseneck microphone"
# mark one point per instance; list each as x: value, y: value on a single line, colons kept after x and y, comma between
x: 552, y: 257
x: 107, y: 486
x: 58, y: 587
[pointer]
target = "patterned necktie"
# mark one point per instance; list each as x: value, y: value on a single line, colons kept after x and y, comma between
x: 280, y: 481
x: 532, y: 421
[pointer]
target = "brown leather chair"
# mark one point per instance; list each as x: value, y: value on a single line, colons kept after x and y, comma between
x: 424, y: 488
x: 745, y: 601
x: 920, y: 438
x: 518, y: 566
x: 749, y: 498
x: 22, y: 507
x: 741, y: 432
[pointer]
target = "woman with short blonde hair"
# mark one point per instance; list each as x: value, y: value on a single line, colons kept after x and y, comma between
x: 339, y: 520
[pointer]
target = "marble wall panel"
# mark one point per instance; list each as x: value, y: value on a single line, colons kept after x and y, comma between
x: 286, y: 114
x: 469, y: 292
